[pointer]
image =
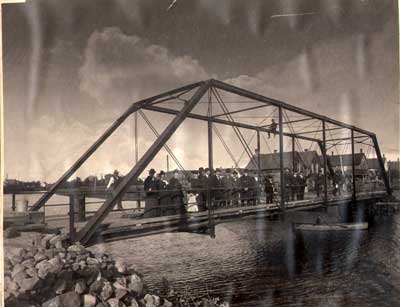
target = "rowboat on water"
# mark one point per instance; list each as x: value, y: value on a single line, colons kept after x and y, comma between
x: 330, y: 226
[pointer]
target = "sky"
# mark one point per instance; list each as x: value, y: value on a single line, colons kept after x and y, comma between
x: 72, y: 67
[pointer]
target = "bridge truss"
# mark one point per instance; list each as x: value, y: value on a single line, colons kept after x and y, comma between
x: 208, y: 101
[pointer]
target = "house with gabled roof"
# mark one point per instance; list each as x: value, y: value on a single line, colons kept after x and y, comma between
x: 345, y: 163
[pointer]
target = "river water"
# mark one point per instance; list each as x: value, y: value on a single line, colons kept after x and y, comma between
x: 259, y: 262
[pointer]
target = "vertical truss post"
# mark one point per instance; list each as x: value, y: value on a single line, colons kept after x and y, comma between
x: 72, y: 232
x: 323, y: 149
x: 84, y: 235
x: 293, y: 153
x: 210, y: 146
x: 353, y: 168
x: 281, y: 158
x: 382, y: 165
x: 211, y: 167
x: 259, y: 167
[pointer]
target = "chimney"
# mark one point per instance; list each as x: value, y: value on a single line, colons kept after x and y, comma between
x: 331, y: 153
x: 275, y: 151
x: 361, y: 150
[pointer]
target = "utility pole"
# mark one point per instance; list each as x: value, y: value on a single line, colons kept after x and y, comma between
x: 136, y: 138
x: 167, y: 163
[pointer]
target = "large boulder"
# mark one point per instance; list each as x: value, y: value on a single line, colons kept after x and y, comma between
x: 15, y: 252
x: 30, y: 262
x: 80, y: 286
x: 54, y: 302
x: 39, y: 257
x: 92, y: 261
x: 60, y: 286
x: 44, y: 268
x: 77, y: 248
x: 29, y: 284
x: 70, y: 299
x: 18, y: 278
x: 121, y: 266
x: 44, y: 243
x: 17, y: 269
x: 107, y: 291
x: 56, y: 240
x: 96, y: 287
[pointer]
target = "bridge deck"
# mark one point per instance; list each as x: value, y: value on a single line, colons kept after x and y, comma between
x: 120, y: 225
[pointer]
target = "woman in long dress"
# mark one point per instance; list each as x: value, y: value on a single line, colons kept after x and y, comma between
x: 176, y: 194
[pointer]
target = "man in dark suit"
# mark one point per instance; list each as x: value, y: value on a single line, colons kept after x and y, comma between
x: 215, y: 185
x: 201, y: 190
x: 288, y: 184
x: 227, y: 185
x: 269, y: 190
x: 151, y: 188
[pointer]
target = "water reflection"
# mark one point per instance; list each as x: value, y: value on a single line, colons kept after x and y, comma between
x: 258, y: 262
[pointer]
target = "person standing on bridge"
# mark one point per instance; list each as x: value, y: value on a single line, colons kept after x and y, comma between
x: 112, y: 183
x: 151, y: 188
x: 269, y: 190
x: 247, y: 184
x: 288, y: 184
x: 215, y: 184
x: 235, y: 188
x: 202, y: 190
x: 227, y: 184
x: 319, y: 182
x: 164, y: 194
x: 302, y: 185
x: 175, y: 188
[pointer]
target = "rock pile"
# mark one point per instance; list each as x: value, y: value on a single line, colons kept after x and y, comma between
x: 49, y: 274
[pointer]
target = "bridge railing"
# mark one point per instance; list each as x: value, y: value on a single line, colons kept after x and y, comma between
x: 192, y: 200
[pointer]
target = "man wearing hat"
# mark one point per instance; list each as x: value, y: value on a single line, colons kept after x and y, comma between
x: 235, y: 188
x: 151, y: 188
x: 214, y: 187
x: 227, y: 185
x: 269, y: 190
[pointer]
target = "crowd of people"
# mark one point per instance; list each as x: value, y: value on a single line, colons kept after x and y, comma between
x: 222, y: 189
x: 166, y: 197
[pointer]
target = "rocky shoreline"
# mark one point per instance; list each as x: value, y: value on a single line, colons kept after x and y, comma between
x: 49, y: 273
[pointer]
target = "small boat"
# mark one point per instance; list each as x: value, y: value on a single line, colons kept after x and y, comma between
x: 330, y: 226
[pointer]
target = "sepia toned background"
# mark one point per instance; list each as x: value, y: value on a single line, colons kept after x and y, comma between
x: 71, y: 68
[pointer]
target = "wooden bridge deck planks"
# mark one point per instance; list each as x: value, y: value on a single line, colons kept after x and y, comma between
x: 116, y: 226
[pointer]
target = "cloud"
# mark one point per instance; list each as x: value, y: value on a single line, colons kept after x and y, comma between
x: 346, y: 79
x: 118, y: 68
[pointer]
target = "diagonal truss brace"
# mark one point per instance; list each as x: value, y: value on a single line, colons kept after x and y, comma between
x: 133, y: 108
x: 84, y: 235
